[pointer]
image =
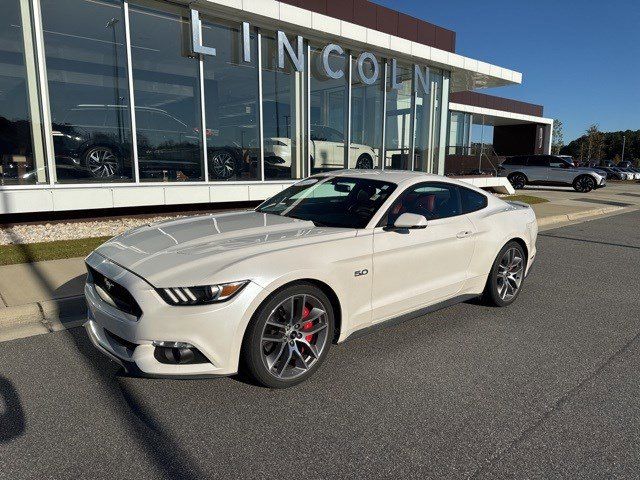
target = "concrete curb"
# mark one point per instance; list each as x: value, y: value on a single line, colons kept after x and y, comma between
x: 572, y: 217
x: 42, y: 317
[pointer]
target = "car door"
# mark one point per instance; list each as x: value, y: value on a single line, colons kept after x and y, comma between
x: 418, y: 268
x: 537, y: 169
x: 560, y: 171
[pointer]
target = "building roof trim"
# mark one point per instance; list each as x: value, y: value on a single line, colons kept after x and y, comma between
x: 466, y: 73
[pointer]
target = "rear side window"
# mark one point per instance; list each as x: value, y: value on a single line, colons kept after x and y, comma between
x: 515, y: 161
x: 538, y: 161
x: 472, y: 201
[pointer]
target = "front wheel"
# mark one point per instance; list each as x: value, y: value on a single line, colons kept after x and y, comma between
x: 584, y: 184
x: 506, y: 276
x: 289, y: 336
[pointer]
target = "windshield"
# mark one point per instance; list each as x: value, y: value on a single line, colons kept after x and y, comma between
x: 331, y: 201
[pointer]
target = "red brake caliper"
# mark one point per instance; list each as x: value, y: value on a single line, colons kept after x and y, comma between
x: 308, y: 325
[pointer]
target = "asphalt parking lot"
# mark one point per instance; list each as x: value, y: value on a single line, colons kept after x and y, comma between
x: 545, y: 388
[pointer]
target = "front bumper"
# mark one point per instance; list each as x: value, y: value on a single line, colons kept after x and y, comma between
x: 215, y: 330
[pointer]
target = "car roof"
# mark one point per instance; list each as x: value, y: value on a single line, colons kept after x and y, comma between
x: 392, y: 176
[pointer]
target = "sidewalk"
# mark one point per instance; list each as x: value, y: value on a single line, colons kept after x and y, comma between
x: 47, y: 296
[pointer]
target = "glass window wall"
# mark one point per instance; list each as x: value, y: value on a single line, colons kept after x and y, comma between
x: 86, y: 61
x: 398, y: 131
x: 367, y: 107
x: 329, y: 110
x: 232, y: 104
x: 167, y: 95
x: 427, y: 128
x: 22, y: 159
x: 284, y: 114
x: 305, y: 116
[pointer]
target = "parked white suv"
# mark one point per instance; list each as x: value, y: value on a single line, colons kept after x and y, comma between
x: 522, y: 170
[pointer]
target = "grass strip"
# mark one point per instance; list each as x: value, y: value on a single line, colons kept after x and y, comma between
x: 37, y: 252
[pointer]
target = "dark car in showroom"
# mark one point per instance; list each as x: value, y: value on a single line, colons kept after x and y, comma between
x: 93, y: 142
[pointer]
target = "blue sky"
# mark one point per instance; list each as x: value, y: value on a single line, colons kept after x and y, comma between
x: 579, y: 58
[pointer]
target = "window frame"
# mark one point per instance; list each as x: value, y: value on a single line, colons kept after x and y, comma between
x: 383, y: 222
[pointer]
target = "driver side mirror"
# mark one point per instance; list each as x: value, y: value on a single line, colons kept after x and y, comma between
x: 409, y: 221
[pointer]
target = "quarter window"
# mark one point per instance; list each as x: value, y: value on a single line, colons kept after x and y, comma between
x: 472, y: 201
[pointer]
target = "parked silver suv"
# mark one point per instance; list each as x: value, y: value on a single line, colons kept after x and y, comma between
x: 524, y: 170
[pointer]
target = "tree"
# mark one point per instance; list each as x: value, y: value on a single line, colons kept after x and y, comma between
x: 558, y: 138
x: 595, y: 143
x: 611, y: 146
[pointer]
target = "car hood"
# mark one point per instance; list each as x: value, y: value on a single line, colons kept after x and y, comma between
x: 192, y: 250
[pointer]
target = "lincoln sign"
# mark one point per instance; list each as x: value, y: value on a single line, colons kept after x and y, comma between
x: 296, y: 55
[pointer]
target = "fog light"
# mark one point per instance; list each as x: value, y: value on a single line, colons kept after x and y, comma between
x: 172, y: 344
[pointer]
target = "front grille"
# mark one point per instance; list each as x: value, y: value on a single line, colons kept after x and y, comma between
x: 119, y: 295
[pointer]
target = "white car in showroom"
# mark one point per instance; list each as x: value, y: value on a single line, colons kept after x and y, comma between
x: 267, y: 291
x: 326, y: 149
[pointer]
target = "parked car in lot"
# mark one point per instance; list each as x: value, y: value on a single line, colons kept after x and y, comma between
x: 522, y: 170
x: 269, y: 290
x: 611, y: 173
x: 623, y: 174
x: 631, y: 173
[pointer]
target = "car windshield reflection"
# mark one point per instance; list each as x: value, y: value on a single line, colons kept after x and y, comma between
x: 331, y: 201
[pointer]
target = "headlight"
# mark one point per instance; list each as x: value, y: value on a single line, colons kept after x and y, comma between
x: 201, y: 295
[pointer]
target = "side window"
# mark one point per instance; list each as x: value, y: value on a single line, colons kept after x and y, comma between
x: 516, y: 161
x: 472, y: 201
x: 555, y: 162
x: 538, y: 161
x: 431, y: 200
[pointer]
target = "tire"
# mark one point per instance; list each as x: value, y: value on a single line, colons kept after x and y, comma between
x: 584, y: 183
x: 364, y: 162
x: 222, y: 165
x: 518, y: 180
x: 500, y: 276
x: 102, y: 162
x: 278, y: 352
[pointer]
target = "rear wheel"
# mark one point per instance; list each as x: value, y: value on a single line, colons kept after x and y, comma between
x: 222, y: 165
x: 506, y: 276
x: 364, y: 161
x: 102, y: 162
x: 584, y: 184
x: 289, y: 336
x: 518, y: 180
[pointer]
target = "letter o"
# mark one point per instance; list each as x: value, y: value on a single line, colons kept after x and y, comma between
x: 376, y: 68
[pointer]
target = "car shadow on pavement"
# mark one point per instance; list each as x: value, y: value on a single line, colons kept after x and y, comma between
x: 12, y: 422
x: 166, y: 454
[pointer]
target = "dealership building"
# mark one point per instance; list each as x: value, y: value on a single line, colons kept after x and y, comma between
x: 106, y: 104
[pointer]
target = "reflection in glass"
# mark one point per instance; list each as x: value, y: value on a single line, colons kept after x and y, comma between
x: 167, y: 99
x: 428, y: 122
x: 87, y: 74
x: 398, y: 122
x: 283, y: 115
x: 366, y: 117
x: 21, y: 150
x: 329, y: 107
x: 232, y: 104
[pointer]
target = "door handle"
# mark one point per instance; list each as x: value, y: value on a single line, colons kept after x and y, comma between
x: 464, y: 234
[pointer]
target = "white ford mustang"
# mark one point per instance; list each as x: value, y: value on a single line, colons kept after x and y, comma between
x: 267, y: 291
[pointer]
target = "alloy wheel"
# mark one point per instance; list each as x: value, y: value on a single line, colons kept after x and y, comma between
x: 585, y: 184
x: 294, y: 336
x: 102, y: 163
x: 510, y: 274
x: 365, y: 162
x: 223, y: 165
x: 517, y: 181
